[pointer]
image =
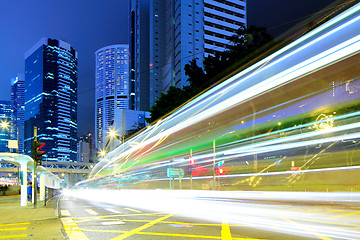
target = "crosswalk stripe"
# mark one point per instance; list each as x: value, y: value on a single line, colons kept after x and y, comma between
x: 112, y: 210
x: 91, y: 212
x: 65, y: 213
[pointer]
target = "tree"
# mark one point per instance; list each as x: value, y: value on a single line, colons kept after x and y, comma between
x: 197, y: 77
x: 166, y: 103
x: 135, y: 128
x: 247, y: 40
x: 214, y: 64
x: 244, y: 45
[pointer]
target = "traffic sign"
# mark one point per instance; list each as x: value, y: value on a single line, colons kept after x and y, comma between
x: 174, y: 172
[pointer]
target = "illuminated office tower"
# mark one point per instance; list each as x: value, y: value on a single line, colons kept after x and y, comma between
x: 5, y: 127
x: 85, y: 152
x: 165, y: 35
x: 51, y: 98
x: 18, y: 106
x: 139, y: 60
x: 221, y: 20
x: 111, y: 85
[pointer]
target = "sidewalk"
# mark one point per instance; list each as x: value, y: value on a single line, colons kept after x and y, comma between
x: 39, y: 223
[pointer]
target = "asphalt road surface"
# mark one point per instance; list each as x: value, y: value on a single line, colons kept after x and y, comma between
x: 84, y: 219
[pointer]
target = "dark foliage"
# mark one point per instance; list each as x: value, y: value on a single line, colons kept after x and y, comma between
x: 244, y: 43
x: 134, y: 129
x: 173, y: 98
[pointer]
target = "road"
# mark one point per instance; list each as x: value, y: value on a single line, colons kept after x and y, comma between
x: 85, y: 219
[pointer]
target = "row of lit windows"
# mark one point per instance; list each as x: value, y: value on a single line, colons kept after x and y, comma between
x: 221, y: 27
x: 231, y: 4
x: 218, y: 35
x: 215, y: 44
x: 223, y: 19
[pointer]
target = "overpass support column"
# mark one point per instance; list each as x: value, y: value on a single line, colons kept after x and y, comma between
x: 42, y: 186
x: 23, y: 188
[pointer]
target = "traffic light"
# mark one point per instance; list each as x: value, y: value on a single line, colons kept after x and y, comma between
x: 192, y: 161
x: 36, y: 152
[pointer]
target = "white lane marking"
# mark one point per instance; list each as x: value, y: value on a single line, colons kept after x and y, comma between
x: 65, y: 213
x: 112, y: 223
x: 112, y: 210
x: 91, y: 212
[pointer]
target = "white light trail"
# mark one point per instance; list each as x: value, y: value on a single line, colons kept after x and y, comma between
x: 334, y: 54
x: 237, y: 207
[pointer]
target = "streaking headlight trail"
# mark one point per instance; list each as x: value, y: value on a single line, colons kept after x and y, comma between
x: 297, y: 112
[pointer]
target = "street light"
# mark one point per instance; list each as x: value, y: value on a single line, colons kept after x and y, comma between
x: 4, y: 124
x: 102, y: 153
x: 111, y: 143
x: 12, y: 144
x: 112, y: 133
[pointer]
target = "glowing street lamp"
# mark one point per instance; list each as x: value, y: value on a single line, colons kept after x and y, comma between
x: 102, y: 153
x: 112, y: 133
x: 4, y: 124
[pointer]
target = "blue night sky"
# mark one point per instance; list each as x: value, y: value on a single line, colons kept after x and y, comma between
x: 89, y: 25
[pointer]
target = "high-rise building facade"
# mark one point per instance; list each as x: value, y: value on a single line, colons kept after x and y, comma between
x: 85, y: 149
x: 221, y: 20
x: 83, y: 152
x: 51, y: 98
x: 18, y: 106
x: 165, y: 35
x: 139, y: 54
x: 5, y: 127
x: 112, y: 87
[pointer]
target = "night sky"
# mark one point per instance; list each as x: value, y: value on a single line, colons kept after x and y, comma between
x: 89, y: 25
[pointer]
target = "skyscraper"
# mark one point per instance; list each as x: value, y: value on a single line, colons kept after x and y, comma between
x: 139, y: 55
x: 5, y: 130
x: 111, y: 87
x: 166, y: 34
x: 51, y: 98
x: 85, y: 152
x: 18, y: 106
x: 221, y: 20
